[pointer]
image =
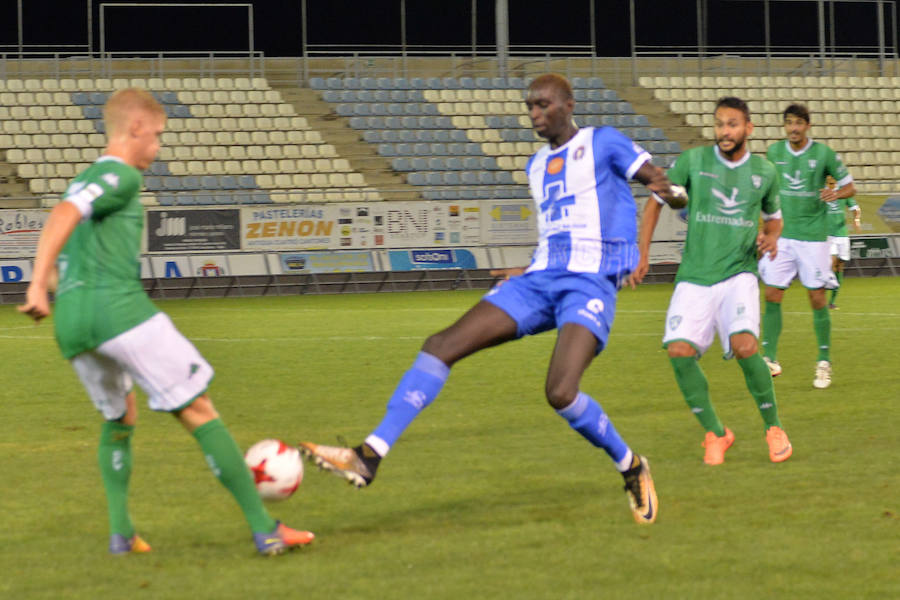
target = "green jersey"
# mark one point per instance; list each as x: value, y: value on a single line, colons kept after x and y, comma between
x: 802, y: 177
x: 100, y: 294
x: 726, y: 200
x: 837, y: 216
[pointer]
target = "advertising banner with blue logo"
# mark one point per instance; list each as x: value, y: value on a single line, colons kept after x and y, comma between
x: 327, y: 262
x: 20, y: 230
x: 432, y: 258
x: 15, y: 271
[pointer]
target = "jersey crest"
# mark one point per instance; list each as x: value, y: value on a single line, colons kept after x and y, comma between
x: 730, y: 204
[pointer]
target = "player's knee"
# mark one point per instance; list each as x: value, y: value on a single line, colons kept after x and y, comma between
x: 197, y: 413
x: 744, y: 346
x: 680, y: 350
x: 774, y: 294
x: 560, y: 394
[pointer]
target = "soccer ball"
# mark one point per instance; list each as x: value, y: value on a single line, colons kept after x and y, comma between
x: 277, y: 468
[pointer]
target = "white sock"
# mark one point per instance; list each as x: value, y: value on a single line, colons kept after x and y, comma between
x: 377, y: 444
x: 625, y: 464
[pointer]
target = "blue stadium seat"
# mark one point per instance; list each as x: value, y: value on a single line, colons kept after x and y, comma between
x: 504, y: 177
x: 469, y: 177
x: 92, y: 112
x: 372, y: 136
x: 189, y: 182
x: 381, y: 96
x: 368, y: 83
x: 434, y: 83
x: 346, y: 110
x: 351, y: 83
x: 442, y: 135
x: 466, y: 83
x: 421, y: 149
x: 391, y: 123
x: 418, y: 83
x: 334, y: 83
x: 209, y: 182
x: 388, y: 149
x: 181, y: 111
x: 438, y: 163
x: 98, y: 98
x: 440, y: 149
x: 407, y: 135
x: 228, y: 182
x: 377, y: 109
x: 398, y: 96
x: 247, y: 182
x: 165, y: 199
x: 223, y: 198
x: 450, y: 83
x: 483, y: 83
x: 451, y: 178
x: 401, y: 164
x: 595, y: 82
x: 516, y: 83
x: 455, y: 163
x: 317, y: 83
x: 153, y: 183
x: 365, y: 95
x: 419, y: 163
x: 168, y: 97
x: 424, y: 135
x: 334, y: 96
x: 359, y: 123
x: 400, y: 83
x: 458, y: 135
x: 404, y: 149
x: 499, y: 83
x: 433, y: 178
x: 395, y: 108
x: 416, y: 178
x: 390, y: 135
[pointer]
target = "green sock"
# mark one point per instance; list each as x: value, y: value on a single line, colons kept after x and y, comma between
x: 771, y: 329
x: 822, y: 326
x: 227, y: 463
x: 834, y: 292
x: 114, y: 456
x: 759, y: 382
x: 695, y: 388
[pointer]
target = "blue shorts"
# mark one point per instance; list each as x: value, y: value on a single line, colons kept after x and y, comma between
x: 543, y: 300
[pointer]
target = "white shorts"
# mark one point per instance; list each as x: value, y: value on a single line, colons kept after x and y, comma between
x: 810, y: 260
x: 697, y: 312
x: 839, y: 246
x: 154, y: 354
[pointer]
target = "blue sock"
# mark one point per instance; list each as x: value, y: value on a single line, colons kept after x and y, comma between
x: 418, y: 387
x: 587, y: 418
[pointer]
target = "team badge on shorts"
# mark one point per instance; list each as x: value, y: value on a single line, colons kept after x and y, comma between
x: 674, y: 322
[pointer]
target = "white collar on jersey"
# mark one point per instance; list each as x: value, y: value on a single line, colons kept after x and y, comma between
x: 787, y: 144
x: 731, y: 164
x: 106, y: 157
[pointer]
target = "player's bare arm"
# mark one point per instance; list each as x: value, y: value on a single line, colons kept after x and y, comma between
x: 856, y: 218
x: 767, y: 239
x: 649, y: 219
x: 508, y: 272
x: 658, y: 183
x: 62, y: 221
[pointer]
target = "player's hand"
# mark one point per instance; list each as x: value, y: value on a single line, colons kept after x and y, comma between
x: 766, y: 244
x: 828, y: 195
x: 37, y: 303
x: 508, y: 272
x: 637, y: 276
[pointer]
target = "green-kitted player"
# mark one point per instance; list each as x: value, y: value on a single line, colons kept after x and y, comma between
x: 839, y: 239
x: 113, y: 335
x: 716, y: 289
x: 803, y: 164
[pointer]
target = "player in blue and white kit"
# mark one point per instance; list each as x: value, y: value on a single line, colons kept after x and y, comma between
x: 587, y: 249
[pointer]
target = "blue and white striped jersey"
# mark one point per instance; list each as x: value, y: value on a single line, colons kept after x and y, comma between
x: 588, y: 218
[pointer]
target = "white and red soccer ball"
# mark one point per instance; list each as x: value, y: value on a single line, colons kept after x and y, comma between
x: 277, y: 468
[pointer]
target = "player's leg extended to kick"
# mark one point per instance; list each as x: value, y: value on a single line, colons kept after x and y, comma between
x: 575, y: 348
x: 482, y: 326
x: 225, y: 459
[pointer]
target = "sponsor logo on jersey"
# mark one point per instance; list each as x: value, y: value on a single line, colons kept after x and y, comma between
x: 555, y: 165
x: 730, y: 204
x: 710, y: 175
x: 795, y: 182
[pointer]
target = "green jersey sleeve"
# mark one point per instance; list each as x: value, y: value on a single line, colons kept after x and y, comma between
x: 680, y: 172
x: 835, y: 167
x: 771, y: 200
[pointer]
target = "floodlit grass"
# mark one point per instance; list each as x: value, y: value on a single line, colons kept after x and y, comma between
x: 489, y: 494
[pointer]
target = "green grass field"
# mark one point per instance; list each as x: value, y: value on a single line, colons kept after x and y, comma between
x: 489, y: 494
